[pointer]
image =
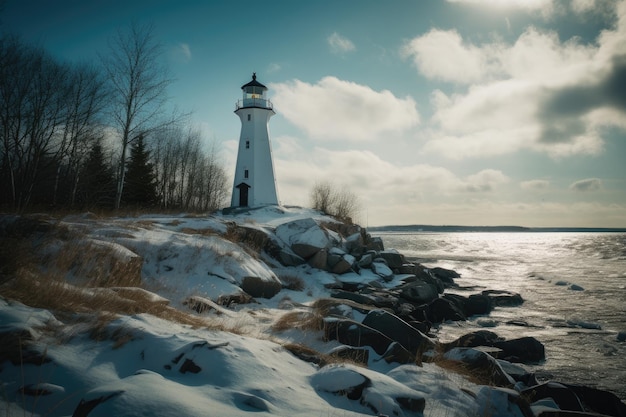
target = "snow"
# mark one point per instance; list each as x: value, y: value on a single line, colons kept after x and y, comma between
x: 151, y: 366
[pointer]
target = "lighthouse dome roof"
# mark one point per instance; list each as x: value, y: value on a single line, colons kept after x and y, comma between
x: 254, y: 83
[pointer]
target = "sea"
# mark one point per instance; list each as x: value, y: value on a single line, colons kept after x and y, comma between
x: 573, y: 284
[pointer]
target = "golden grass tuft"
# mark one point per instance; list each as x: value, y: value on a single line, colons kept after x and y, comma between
x: 302, y: 320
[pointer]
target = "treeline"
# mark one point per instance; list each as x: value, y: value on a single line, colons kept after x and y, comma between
x: 99, y: 135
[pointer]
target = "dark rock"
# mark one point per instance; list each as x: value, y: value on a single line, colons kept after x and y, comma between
x: 445, y: 275
x: 564, y: 397
x: 474, y: 339
x: 353, y: 296
x: 15, y: 346
x: 319, y: 260
x: 85, y: 407
x: 477, y: 304
x: 189, y: 366
x: 443, y: 309
x: 599, y: 401
x: 621, y: 336
x: 416, y: 405
x: 419, y: 292
x: 504, y: 298
x: 396, y: 353
x: 524, y: 349
x: 350, y: 332
x: 366, y: 260
x: 374, y: 243
x: 393, y: 258
x: 258, y: 287
x: 400, y: 331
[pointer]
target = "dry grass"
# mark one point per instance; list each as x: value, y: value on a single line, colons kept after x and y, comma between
x: 292, y: 282
x: 302, y: 320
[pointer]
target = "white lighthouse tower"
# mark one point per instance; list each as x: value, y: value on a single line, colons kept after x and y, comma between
x: 254, y: 184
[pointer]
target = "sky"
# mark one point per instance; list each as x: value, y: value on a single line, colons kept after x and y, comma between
x: 466, y: 112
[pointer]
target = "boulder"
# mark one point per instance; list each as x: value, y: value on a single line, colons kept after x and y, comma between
x: 382, y: 270
x: 339, y: 262
x: 399, y: 331
x: 443, y: 309
x: 304, y: 236
x: 599, y: 401
x: 419, y: 292
x: 474, y: 339
x: 366, y: 260
x: 352, y: 333
x: 374, y: 243
x: 504, y: 298
x: 565, y: 398
x: 319, y: 260
x: 477, y: 304
x: 445, y: 275
x: 524, y: 349
x: 481, y: 365
x: 393, y: 258
x: 259, y: 287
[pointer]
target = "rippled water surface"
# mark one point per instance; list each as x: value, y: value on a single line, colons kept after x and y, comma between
x: 573, y: 284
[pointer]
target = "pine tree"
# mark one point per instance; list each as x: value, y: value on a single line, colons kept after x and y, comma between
x: 97, y: 182
x: 140, y: 184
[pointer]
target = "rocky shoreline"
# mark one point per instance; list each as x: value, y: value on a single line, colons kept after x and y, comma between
x: 394, y: 314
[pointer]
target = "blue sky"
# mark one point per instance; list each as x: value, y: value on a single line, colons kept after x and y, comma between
x: 473, y: 112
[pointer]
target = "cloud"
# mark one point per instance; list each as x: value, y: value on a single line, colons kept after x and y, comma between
x: 442, y: 55
x: 537, y: 93
x: 484, y: 181
x: 334, y: 109
x: 535, y: 185
x: 589, y: 184
x: 339, y: 44
x: 273, y: 67
x: 545, y: 7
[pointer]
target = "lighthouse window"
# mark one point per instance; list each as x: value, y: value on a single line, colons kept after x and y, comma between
x: 245, y: 173
x: 249, y: 117
x: 247, y: 144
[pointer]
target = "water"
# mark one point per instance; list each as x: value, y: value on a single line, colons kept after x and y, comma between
x: 578, y: 327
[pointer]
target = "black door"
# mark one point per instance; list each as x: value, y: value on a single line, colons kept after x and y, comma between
x: 243, y: 194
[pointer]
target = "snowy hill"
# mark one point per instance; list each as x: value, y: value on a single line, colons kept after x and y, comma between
x: 175, y: 315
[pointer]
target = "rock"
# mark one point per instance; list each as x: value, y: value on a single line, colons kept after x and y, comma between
x: 474, y: 339
x: 445, y: 275
x: 86, y: 406
x: 481, y: 365
x: 396, y: 353
x: 304, y: 236
x: 356, y: 297
x: 357, y: 355
x: 382, y: 270
x: 339, y: 262
x: 393, y: 258
x: 399, y: 331
x: 354, y: 244
x: 565, y: 398
x: 477, y: 304
x: 366, y: 260
x: 374, y: 243
x: 504, y: 298
x: 353, y: 333
x: 419, y: 292
x: 339, y: 380
x: 443, y: 309
x: 238, y: 299
x: 575, y: 287
x: 258, y: 287
x: 319, y: 260
x: 599, y: 401
x: 524, y: 349
x: 621, y: 336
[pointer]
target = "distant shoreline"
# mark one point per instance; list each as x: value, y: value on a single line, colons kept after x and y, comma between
x: 508, y: 229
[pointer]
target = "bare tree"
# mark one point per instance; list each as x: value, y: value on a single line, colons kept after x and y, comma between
x: 139, y: 84
x: 338, y: 202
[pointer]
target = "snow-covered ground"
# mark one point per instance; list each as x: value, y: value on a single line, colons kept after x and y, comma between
x: 236, y: 364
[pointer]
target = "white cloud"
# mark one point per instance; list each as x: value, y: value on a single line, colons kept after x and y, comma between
x: 538, y: 93
x: 535, y: 185
x: 334, y: 109
x: 340, y: 44
x: 544, y: 7
x: 180, y: 53
x: 443, y: 55
x: 589, y: 184
x: 486, y: 180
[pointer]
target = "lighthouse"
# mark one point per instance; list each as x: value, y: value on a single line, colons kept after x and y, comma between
x: 255, y: 184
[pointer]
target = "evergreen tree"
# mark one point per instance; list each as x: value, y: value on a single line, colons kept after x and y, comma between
x: 140, y: 183
x: 97, y: 182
